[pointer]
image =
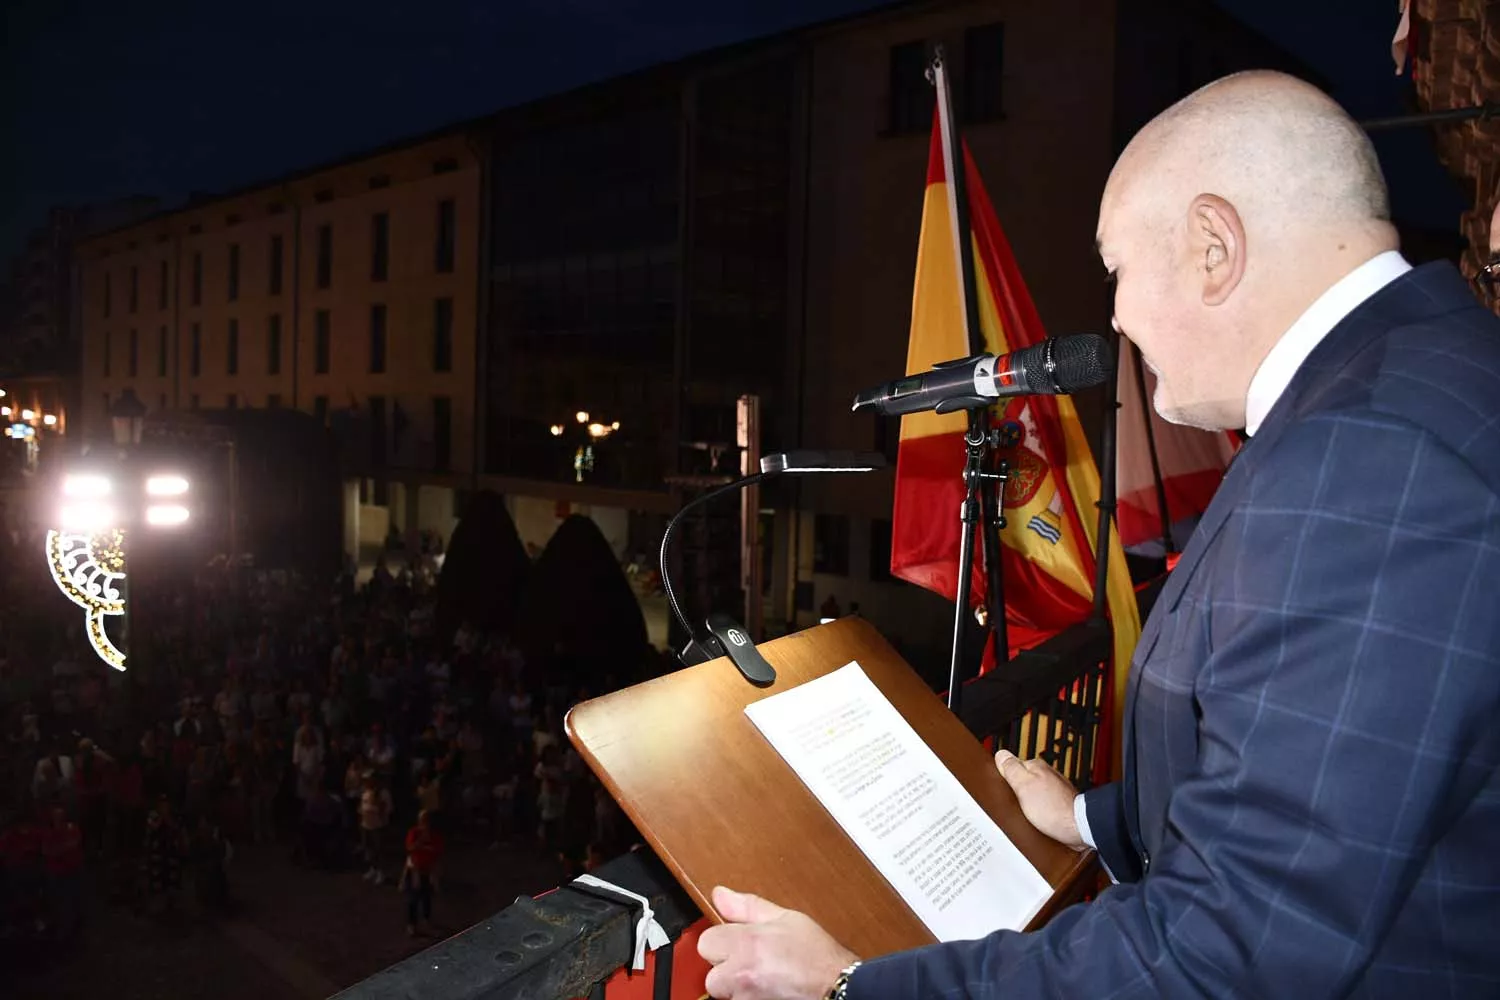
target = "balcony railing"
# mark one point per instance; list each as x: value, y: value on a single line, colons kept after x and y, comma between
x: 568, y: 943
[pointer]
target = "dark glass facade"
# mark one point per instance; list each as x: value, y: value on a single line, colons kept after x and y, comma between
x: 591, y: 215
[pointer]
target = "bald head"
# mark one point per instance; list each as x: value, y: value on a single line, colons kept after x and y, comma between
x: 1225, y: 218
x: 1283, y: 152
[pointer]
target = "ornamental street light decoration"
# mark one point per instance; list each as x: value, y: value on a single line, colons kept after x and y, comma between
x: 86, y: 553
x: 89, y: 568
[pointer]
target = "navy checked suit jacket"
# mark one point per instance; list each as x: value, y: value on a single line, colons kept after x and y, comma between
x: 1311, y: 797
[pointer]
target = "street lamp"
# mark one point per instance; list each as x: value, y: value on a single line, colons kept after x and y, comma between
x: 127, y: 417
x: 86, y: 555
x: 587, y: 431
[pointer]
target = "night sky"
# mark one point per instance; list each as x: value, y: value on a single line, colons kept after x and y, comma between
x: 163, y: 97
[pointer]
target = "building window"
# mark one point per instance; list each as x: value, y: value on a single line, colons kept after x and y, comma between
x: 442, y: 335
x: 231, y: 402
x: 325, y: 256
x: 380, y: 181
x: 197, y: 291
x: 380, y: 436
x: 106, y: 295
x: 444, y: 166
x: 234, y: 271
x: 132, y: 360
x: 273, y: 401
x: 984, y: 72
x: 195, y: 359
x: 273, y: 344
x: 377, y: 340
x: 108, y: 350
x: 320, y: 409
x: 275, y: 265
x: 880, y: 550
x: 831, y: 544
x: 161, y: 287
x: 321, y: 334
x: 912, y: 97
x: 232, y: 348
x: 442, y: 433
x: 161, y: 352
x: 380, y: 246
x: 135, y: 287
x: 323, y: 197
x: 446, y: 235
x: 193, y: 402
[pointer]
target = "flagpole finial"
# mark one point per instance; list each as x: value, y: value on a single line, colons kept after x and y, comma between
x: 935, y: 64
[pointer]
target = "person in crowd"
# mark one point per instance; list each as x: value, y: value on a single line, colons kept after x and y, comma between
x: 91, y: 775
x: 424, y: 853
x: 322, y: 826
x: 210, y: 852
x: 380, y: 751
x: 375, y: 809
x: 161, y: 861
x: 62, y: 855
x: 308, y: 758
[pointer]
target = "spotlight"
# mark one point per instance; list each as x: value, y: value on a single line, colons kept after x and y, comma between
x: 86, y: 517
x: 166, y: 516
x: 166, y: 485
x: 78, y: 485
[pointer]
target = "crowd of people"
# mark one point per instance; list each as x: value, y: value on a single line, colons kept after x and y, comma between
x: 328, y: 721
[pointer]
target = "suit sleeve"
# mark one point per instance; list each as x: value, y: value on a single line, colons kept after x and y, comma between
x: 1105, y: 812
x: 1345, y: 717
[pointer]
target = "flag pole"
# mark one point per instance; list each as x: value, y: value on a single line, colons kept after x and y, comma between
x: 982, y: 473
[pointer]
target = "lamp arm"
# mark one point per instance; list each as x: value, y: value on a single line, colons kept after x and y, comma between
x: 666, y: 540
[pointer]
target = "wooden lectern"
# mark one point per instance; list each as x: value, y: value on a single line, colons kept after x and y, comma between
x: 721, y: 807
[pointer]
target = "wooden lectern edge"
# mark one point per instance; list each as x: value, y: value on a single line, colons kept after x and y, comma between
x: 1069, y: 885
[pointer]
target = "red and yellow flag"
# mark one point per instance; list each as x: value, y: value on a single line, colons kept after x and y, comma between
x: 1048, y: 541
x: 1189, y: 462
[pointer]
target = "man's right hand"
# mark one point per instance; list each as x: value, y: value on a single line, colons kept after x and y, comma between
x: 1046, y: 797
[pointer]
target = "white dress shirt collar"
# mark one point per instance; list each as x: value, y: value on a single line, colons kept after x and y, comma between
x: 1276, y: 371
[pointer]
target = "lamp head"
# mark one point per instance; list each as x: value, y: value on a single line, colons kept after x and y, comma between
x: 822, y: 461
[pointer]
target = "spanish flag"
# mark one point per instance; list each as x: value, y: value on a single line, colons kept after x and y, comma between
x: 1049, y: 500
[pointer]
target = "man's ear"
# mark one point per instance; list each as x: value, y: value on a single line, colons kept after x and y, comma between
x: 1217, y: 242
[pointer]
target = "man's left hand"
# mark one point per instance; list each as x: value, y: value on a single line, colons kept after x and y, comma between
x: 766, y: 952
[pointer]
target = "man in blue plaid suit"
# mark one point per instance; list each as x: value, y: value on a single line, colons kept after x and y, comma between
x: 1311, y: 797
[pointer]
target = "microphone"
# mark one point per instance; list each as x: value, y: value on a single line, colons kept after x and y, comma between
x: 1056, y: 366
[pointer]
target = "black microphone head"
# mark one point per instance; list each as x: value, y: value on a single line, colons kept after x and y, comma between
x: 1082, y: 361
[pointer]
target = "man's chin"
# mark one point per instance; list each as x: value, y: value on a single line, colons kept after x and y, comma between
x: 1184, y: 415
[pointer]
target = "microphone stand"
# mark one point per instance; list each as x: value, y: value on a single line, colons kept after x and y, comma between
x: 984, y: 484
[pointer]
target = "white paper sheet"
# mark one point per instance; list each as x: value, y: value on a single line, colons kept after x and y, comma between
x: 918, y: 826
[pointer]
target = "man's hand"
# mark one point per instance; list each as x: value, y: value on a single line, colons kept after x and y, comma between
x: 1046, y: 797
x: 765, y: 952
